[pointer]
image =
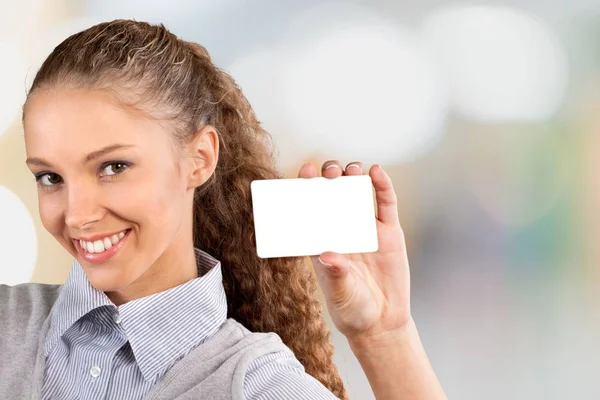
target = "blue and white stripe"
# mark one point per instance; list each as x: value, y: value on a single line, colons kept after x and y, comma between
x: 95, y: 350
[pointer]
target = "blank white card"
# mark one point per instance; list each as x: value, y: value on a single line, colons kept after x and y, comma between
x: 303, y: 217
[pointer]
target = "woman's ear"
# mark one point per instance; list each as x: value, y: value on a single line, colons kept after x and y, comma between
x: 204, y: 151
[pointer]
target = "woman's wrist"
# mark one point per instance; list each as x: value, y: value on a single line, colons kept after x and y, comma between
x: 384, y: 339
x: 396, y: 364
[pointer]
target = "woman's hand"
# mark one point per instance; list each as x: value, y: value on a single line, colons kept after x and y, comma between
x: 368, y: 295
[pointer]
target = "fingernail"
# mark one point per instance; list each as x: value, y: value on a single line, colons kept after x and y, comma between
x: 332, y: 165
x: 324, y: 263
x: 352, y: 165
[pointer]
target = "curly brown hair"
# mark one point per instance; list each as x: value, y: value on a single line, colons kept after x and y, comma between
x: 151, y: 70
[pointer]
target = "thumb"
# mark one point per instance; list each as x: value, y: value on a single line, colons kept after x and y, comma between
x: 332, y: 270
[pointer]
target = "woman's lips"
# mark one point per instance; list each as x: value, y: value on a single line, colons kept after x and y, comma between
x: 104, y: 255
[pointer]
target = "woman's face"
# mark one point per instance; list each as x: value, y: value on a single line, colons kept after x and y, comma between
x: 114, y: 190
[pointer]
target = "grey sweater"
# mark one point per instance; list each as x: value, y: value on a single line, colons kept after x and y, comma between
x: 214, y: 370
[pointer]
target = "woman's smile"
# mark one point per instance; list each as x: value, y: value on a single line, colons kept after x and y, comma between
x: 101, y: 248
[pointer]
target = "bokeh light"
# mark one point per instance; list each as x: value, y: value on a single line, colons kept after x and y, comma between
x: 502, y: 64
x: 353, y: 86
x: 19, y: 17
x: 258, y: 75
x: 364, y: 92
x: 52, y: 38
x: 12, y: 83
x: 18, y: 240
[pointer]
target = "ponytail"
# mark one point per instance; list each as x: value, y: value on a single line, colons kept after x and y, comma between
x: 265, y: 295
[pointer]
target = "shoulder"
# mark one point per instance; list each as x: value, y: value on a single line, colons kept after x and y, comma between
x: 27, y: 301
x: 23, y: 311
x: 275, y: 373
x: 279, y: 375
x: 243, y: 334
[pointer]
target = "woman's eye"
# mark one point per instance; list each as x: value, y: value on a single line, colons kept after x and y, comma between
x: 49, y: 179
x: 114, y: 168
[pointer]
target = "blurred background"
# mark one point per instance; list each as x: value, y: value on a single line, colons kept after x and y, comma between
x: 486, y: 115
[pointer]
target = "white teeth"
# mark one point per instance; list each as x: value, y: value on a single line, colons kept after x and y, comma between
x: 100, y: 246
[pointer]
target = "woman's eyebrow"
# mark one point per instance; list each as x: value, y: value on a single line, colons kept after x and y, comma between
x: 105, y: 150
x: 90, y: 157
x: 37, y: 161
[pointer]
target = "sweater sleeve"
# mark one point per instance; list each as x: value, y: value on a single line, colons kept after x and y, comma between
x: 280, y: 376
x: 24, y: 309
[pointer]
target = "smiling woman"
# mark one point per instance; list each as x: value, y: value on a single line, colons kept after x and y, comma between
x: 143, y: 152
x: 108, y: 181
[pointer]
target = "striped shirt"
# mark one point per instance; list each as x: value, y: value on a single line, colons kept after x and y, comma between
x: 95, y: 350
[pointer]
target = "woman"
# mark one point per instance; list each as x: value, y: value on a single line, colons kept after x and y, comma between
x: 144, y: 153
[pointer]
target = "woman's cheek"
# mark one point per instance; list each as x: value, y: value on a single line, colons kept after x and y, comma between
x: 50, y: 215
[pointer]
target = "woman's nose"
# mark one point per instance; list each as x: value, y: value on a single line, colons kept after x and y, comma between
x: 82, y: 208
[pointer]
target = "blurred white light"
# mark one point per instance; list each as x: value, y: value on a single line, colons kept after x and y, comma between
x: 343, y: 83
x: 502, y: 64
x: 19, y: 18
x: 51, y: 38
x: 18, y: 240
x: 13, y: 74
x: 364, y: 91
x: 258, y: 75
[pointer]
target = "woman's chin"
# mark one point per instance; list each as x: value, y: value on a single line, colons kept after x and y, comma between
x: 108, y: 281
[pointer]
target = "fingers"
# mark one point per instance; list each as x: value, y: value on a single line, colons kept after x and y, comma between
x: 308, y: 170
x: 335, y: 265
x: 332, y: 272
x: 354, y: 168
x: 387, y: 203
x: 332, y: 169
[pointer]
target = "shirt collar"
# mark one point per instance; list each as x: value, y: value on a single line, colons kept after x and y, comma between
x: 161, y: 328
x: 77, y: 298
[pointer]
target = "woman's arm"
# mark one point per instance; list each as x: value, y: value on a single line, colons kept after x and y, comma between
x: 397, y: 366
x: 368, y: 298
